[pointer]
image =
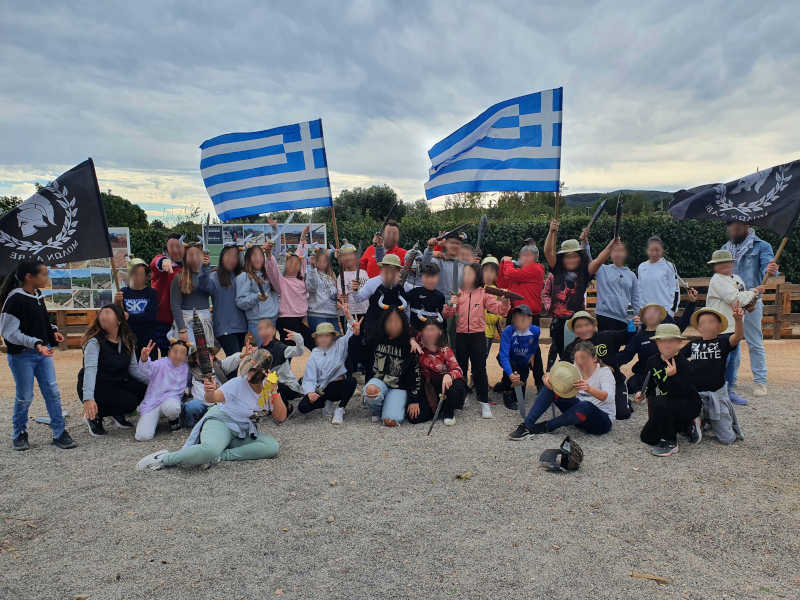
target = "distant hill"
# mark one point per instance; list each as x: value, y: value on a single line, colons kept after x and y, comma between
x: 578, y: 200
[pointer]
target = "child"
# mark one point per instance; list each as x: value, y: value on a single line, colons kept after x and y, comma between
x: 658, y: 279
x: 383, y: 292
x: 673, y: 401
x: 230, y: 321
x: 326, y: 377
x: 140, y: 303
x: 494, y: 323
x: 322, y: 291
x: 589, y: 404
x: 617, y: 290
x: 470, y: 307
x: 257, y: 289
x: 708, y: 357
x: 293, y: 293
x: 222, y: 371
x: 725, y: 290
x: 282, y: 354
x: 167, y: 378
x: 354, y: 280
x: 187, y: 298
x: 394, y: 382
x: 441, y: 375
x: 519, y: 346
x: 29, y: 336
x: 426, y: 303
x: 227, y: 431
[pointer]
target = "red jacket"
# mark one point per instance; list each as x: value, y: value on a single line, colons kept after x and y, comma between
x: 527, y: 282
x: 161, y: 281
x: 439, y: 362
x: 371, y: 266
x: 470, y: 309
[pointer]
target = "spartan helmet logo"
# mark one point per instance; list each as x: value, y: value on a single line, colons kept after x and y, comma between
x: 35, y: 213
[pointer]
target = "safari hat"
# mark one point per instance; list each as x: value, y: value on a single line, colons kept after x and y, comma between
x: 581, y: 314
x: 325, y: 328
x: 347, y: 248
x: 563, y: 377
x: 570, y: 246
x: 709, y: 311
x: 135, y: 262
x: 490, y: 260
x: 668, y: 331
x: 721, y: 256
x: 391, y: 260
x: 662, y: 312
x: 259, y: 359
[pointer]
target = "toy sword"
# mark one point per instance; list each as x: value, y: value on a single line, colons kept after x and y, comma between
x: 619, y: 217
x: 496, y: 291
x: 436, y: 413
x: 598, y: 211
x: 203, y: 354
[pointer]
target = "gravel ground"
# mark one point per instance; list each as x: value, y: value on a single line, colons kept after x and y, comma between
x: 363, y: 511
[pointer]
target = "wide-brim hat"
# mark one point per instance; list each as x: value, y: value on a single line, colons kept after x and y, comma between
x: 563, y: 377
x: 135, y: 262
x: 570, y: 246
x: 259, y: 359
x: 721, y: 256
x: 668, y: 331
x: 662, y: 312
x: 347, y: 248
x: 391, y: 260
x: 581, y: 314
x: 325, y: 328
x: 490, y: 260
x: 709, y: 311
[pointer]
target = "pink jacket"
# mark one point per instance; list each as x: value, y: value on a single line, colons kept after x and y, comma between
x: 469, y: 309
x: 294, y: 298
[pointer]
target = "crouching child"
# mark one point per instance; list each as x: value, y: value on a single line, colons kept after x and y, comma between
x: 167, y: 379
x: 519, y: 347
x: 441, y: 375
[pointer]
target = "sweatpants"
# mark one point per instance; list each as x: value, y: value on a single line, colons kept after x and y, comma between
x: 609, y: 323
x: 287, y: 393
x: 471, y: 348
x: 148, y: 422
x: 115, y: 398
x: 336, y: 391
x: 453, y: 399
x: 557, y: 327
x: 581, y: 413
x: 297, y: 325
x: 668, y: 416
x: 217, y: 442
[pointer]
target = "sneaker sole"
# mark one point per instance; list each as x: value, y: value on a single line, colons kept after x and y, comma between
x: 672, y: 452
x: 92, y: 433
x: 119, y: 425
x: 519, y: 439
x: 21, y: 448
x: 65, y: 446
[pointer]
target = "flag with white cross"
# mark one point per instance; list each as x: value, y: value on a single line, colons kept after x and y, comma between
x: 514, y: 145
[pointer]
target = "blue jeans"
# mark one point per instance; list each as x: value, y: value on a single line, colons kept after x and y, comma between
x: 26, y: 366
x: 314, y: 320
x: 580, y: 413
x: 755, y: 344
x: 191, y: 412
x: 389, y: 403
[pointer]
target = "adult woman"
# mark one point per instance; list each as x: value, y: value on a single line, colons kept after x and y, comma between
x: 322, y: 291
x: 226, y: 431
x: 257, y: 293
x: 29, y: 337
x: 187, y: 298
x: 230, y: 323
x: 658, y: 279
x: 109, y: 384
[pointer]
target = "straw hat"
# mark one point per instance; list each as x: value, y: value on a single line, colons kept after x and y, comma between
x: 347, y: 248
x: 709, y: 311
x: 135, y: 262
x: 563, y: 377
x: 581, y: 314
x: 721, y: 256
x: 662, y: 312
x: 570, y: 246
x: 391, y: 260
x: 490, y: 260
x: 667, y: 331
x: 325, y: 328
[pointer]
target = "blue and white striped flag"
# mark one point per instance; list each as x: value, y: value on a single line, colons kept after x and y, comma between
x: 265, y: 171
x: 512, y: 146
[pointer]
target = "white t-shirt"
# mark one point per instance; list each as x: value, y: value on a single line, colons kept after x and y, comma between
x: 240, y: 399
x: 602, y: 379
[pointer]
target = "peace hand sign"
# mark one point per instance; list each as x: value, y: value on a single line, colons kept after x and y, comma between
x: 145, y: 356
x: 671, y: 367
x: 357, y: 326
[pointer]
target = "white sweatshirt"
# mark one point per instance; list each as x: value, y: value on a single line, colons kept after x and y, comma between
x: 724, y: 290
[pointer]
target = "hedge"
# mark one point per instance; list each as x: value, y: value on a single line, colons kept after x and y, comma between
x: 688, y: 244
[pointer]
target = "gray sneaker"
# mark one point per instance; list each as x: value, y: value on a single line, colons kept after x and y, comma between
x: 152, y: 462
x: 665, y: 448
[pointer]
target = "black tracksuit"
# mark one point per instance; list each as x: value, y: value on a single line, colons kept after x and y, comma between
x: 674, y: 401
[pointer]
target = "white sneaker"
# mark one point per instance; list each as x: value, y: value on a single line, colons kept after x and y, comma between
x: 152, y: 462
x: 328, y: 410
x: 759, y: 390
x: 486, y: 411
x: 376, y: 419
x: 338, y: 416
x: 450, y: 421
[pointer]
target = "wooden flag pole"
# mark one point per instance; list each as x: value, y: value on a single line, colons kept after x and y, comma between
x: 776, y: 259
x: 339, y: 257
x: 555, y: 208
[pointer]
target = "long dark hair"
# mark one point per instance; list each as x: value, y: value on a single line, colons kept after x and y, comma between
x: 248, y: 268
x: 224, y: 276
x: 126, y: 336
x: 576, y: 300
x: 478, y: 275
x: 17, y: 278
x: 379, y: 335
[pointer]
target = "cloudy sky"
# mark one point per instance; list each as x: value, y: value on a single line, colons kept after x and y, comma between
x: 656, y: 95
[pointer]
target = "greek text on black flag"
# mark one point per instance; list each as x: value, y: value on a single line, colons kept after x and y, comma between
x: 768, y: 198
x: 63, y: 221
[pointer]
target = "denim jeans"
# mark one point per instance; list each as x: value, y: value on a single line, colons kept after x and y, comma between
x: 580, y: 413
x: 755, y: 344
x: 26, y: 366
x: 389, y: 403
x: 192, y: 411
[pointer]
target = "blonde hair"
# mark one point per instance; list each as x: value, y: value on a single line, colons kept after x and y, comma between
x: 185, y: 276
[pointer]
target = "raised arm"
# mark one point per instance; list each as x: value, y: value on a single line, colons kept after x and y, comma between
x: 602, y: 258
x: 549, y: 250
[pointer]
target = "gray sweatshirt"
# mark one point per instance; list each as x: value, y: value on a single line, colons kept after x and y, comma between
x: 324, y: 366
x: 178, y: 301
x: 322, y: 293
x: 617, y: 287
x: 446, y: 267
x: 247, y: 300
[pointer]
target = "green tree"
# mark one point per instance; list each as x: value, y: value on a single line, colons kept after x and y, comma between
x: 121, y: 212
x: 8, y: 202
x: 418, y: 210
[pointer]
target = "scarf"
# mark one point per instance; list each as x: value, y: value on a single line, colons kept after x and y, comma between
x: 739, y: 250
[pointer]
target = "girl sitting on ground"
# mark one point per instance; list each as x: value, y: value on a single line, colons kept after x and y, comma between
x: 168, y: 378
x: 441, y: 375
x: 227, y: 432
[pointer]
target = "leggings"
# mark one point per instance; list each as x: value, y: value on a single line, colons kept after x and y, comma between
x: 336, y: 391
x: 231, y: 343
x: 471, y: 348
x: 297, y: 325
x: 217, y: 442
x: 580, y: 413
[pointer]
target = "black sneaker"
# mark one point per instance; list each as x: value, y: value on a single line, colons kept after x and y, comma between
x: 510, y: 400
x: 121, y: 422
x: 695, y: 432
x: 665, y: 448
x: 175, y: 425
x: 64, y: 441
x: 96, y: 428
x: 21, y: 442
x: 520, y: 433
x: 540, y: 427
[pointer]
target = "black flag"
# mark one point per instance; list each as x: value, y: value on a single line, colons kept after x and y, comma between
x: 768, y: 198
x: 63, y: 221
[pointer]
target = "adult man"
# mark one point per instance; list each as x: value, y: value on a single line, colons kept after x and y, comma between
x: 387, y: 242
x: 754, y: 257
x: 527, y: 280
x: 163, y: 269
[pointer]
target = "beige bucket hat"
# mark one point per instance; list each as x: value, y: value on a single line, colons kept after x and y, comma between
x: 667, y: 331
x: 570, y: 246
x: 581, y: 314
x: 563, y: 377
x: 709, y: 311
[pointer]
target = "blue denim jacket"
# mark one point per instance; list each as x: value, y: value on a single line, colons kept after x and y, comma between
x: 752, y: 266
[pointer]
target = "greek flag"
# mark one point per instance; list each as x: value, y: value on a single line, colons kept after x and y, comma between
x: 265, y: 171
x: 512, y: 146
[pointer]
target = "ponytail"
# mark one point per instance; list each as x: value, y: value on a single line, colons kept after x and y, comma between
x: 17, y: 278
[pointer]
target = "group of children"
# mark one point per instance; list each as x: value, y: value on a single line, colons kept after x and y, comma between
x: 414, y: 344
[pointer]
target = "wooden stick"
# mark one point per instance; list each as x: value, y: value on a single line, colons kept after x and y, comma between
x: 649, y: 576
x: 555, y: 208
x: 776, y: 259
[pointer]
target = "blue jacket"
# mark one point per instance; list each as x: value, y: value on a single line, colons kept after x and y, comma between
x: 753, y: 265
x: 517, y: 347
